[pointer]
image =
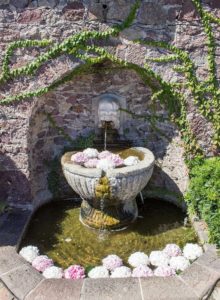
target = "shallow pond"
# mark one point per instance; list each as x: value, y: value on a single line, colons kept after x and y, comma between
x: 56, y: 230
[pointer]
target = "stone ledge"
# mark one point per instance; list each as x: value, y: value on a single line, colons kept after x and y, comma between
x: 22, y: 280
x: 111, y: 289
x: 166, y: 288
x: 56, y: 289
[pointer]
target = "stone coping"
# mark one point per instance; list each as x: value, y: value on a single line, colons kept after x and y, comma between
x: 19, y: 280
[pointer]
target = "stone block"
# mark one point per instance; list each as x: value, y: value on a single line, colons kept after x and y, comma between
x: 9, y: 259
x: 164, y: 288
x: 22, y: 280
x: 120, y: 288
x: 211, y: 260
x: 200, y: 279
x: 5, y: 293
x: 57, y: 289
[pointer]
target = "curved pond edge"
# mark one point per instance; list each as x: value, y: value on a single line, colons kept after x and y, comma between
x: 24, y: 282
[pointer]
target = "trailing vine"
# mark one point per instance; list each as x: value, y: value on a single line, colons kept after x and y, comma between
x: 205, y: 94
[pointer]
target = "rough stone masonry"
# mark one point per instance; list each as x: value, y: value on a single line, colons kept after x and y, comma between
x: 27, y: 139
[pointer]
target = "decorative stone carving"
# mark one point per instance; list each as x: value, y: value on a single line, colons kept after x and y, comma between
x: 109, y: 197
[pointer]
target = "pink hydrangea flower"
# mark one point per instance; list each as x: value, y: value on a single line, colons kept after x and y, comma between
x: 112, y: 261
x: 74, y: 272
x: 172, y: 250
x: 142, y: 271
x: 104, y: 154
x: 42, y: 262
x: 91, y: 163
x: 164, y: 271
x: 79, y: 158
x: 116, y: 159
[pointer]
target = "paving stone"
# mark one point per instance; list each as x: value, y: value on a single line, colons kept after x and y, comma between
x: 5, y: 293
x: 166, y: 288
x: 216, y: 292
x: 56, y: 289
x: 210, y: 259
x: 111, y: 289
x: 201, y: 279
x: 22, y: 280
x: 9, y: 259
x: 12, y: 225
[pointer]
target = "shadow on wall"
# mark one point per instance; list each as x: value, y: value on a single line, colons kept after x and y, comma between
x: 14, y: 185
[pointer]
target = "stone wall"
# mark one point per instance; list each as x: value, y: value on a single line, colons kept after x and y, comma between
x: 26, y: 136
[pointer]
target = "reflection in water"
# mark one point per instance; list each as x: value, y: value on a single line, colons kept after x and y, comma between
x: 56, y: 230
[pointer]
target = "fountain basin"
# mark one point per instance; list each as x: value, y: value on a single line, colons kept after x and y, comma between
x: 109, y: 197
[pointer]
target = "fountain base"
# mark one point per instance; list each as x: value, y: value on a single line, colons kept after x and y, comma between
x: 110, y: 217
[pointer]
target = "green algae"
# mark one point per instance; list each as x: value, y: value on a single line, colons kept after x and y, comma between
x: 56, y: 230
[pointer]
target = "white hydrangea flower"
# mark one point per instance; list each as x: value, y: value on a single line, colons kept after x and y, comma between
x: 138, y: 258
x: 53, y: 272
x: 131, y: 161
x: 99, y: 272
x: 179, y: 263
x: 105, y: 164
x: 172, y: 250
x: 112, y: 262
x: 164, y: 271
x: 121, y: 272
x: 91, y: 153
x: 29, y: 253
x: 192, y: 251
x: 159, y: 258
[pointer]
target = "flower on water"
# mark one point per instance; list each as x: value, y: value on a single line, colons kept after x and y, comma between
x: 91, y: 153
x: 99, y: 272
x: 112, y: 262
x: 172, y: 250
x: 158, y: 258
x: 29, y: 253
x: 179, y: 263
x: 104, y: 154
x: 53, y: 272
x: 79, y: 158
x: 74, y: 272
x: 42, y: 262
x: 121, y: 272
x: 142, y: 271
x: 105, y: 164
x: 138, y: 258
x: 91, y: 163
x: 116, y: 159
x: 164, y: 271
x: 192, y: 251
x: 131, y: 161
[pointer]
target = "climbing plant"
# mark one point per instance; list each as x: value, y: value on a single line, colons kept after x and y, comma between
x: 205, y: 94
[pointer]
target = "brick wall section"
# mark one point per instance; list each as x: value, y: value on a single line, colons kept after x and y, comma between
x: 26, y: 136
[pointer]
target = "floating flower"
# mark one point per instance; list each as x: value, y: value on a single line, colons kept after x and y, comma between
x: 79, y: 158
x: 29, y: 253
x: 99, y: 272
x: 91, y: 163
x: 74, y: 272
x: 131, y: 161
x: 121, y: 272
x: 172, y: 250
x: 142, y: 271
x: 53, y: 272
x: 116, y: 159
x: 164, y: 271
x: 42, y: 262
x: 138, y: 258
x: 112, y: 262
x: 192, y: 251
x: 179, y: 263
x: 104, y: 154
x: 105, y: 164
x: 91, y: 153
x: 158, y: 258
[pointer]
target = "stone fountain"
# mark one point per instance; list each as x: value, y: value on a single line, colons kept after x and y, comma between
x: 109, y: 196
